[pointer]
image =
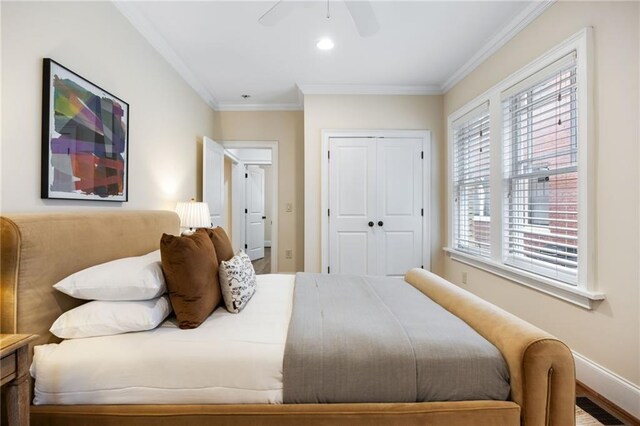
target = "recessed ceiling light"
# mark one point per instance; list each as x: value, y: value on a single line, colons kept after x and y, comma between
x: 325, y: 44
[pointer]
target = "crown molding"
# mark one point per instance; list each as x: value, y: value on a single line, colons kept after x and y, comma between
x: 223, y: 106
x: 159, y: 43
x: 361, y: 89
x: 498, y: 40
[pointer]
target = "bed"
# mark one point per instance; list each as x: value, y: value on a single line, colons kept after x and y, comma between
x: 40, y: 249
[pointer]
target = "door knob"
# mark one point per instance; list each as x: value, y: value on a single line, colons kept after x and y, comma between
x: 371, y: 224
x: 380, y: 223
x: 264, y: 217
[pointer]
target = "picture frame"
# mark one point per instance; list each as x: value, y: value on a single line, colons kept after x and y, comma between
x: 85, y: 139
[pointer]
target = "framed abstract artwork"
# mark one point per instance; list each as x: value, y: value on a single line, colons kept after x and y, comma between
x: 85, y: 139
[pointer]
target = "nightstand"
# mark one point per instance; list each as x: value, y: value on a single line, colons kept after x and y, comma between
x: 14, y: 369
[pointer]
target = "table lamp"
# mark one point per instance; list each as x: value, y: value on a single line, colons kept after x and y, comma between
x: 193, y: 215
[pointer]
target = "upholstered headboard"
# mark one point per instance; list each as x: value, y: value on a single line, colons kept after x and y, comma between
x: 38, y: 250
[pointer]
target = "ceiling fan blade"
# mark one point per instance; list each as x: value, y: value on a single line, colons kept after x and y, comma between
x: 276, y: 13
x: 363, y: 16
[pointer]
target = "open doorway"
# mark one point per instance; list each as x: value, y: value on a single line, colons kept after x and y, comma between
x: 252, y: 178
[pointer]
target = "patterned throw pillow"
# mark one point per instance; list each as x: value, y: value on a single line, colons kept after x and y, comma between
x: 237, y: 281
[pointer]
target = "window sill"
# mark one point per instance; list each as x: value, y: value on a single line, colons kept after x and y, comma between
x: 575, y: 295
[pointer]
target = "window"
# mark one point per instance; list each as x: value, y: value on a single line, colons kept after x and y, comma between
x: 471, y: 182
x: 541, y: 172
x: 520, y: 169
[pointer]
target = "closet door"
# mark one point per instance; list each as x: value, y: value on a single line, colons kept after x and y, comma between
x: 352, y: 205
x: 398, y: 219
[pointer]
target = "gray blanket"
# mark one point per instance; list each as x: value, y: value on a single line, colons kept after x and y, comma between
x: 376, y: 339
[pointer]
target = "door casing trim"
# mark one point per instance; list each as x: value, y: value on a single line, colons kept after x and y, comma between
x: 275, y: 237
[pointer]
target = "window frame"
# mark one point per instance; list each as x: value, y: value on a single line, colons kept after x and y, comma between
x: 473, y: 115
x: 512, y: 169
x: 584, y: 292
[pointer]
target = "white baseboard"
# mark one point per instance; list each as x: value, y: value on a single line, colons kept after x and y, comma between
x: 267, y: 243
x: 616, y: 389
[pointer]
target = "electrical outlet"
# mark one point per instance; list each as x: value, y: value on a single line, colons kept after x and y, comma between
x: 289, y: 208
x: 464, y: 277
x: 288, y: 254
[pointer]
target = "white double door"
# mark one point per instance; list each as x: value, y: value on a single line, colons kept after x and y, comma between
x: 375, y: 205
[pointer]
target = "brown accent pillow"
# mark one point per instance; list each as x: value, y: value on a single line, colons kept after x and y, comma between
x: 190, y: 269
x: 222, y: 244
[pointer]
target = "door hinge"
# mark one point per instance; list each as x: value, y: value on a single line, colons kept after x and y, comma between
x: 246, y: 247
x: 421, y: 212
x: 328, y: 269
x: 246, y: 175
x: 422, y: 155
x: 246, y: 211
x: 328, y: 155
x: 328, y: 212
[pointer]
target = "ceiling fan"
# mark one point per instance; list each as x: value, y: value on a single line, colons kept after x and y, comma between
x: 360, y: 10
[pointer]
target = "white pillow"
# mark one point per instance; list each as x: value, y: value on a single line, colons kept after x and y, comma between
x: 237, y: 281
x: 101, y: 318
x: 131, y: 278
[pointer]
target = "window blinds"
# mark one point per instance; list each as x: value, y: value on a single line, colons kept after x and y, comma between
x: 471, y: 182
x: 540, y: 215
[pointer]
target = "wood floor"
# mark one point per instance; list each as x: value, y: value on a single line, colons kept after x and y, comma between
x: 263, y: 266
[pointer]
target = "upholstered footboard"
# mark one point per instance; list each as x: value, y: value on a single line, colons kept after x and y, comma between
x: 541, y: 367
x: 481, y: 413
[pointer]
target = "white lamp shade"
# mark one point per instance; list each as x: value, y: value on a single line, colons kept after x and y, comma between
x: 193, y: 214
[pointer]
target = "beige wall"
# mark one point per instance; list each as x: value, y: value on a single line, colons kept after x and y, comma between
x: 167, y: 118
x: 609, y: 334
x: 368, y: 112
x: 286, y: 127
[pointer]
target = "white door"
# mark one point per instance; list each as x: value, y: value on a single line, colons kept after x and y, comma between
x: 213, y: 180
x: 399, y: 205
x: 352, y: 205
x: 254, y: 212
x: 375, y: 205
x: 238, y: 201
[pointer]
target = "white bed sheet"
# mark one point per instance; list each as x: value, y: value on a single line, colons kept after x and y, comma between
x: 229, y: 359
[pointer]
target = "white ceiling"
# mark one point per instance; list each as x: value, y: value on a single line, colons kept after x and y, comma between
x: 422, y: 46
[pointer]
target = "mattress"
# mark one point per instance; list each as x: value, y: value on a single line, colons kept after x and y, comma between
x: 229, y: 359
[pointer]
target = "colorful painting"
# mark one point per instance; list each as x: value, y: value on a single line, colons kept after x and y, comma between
x: 84, y: 139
